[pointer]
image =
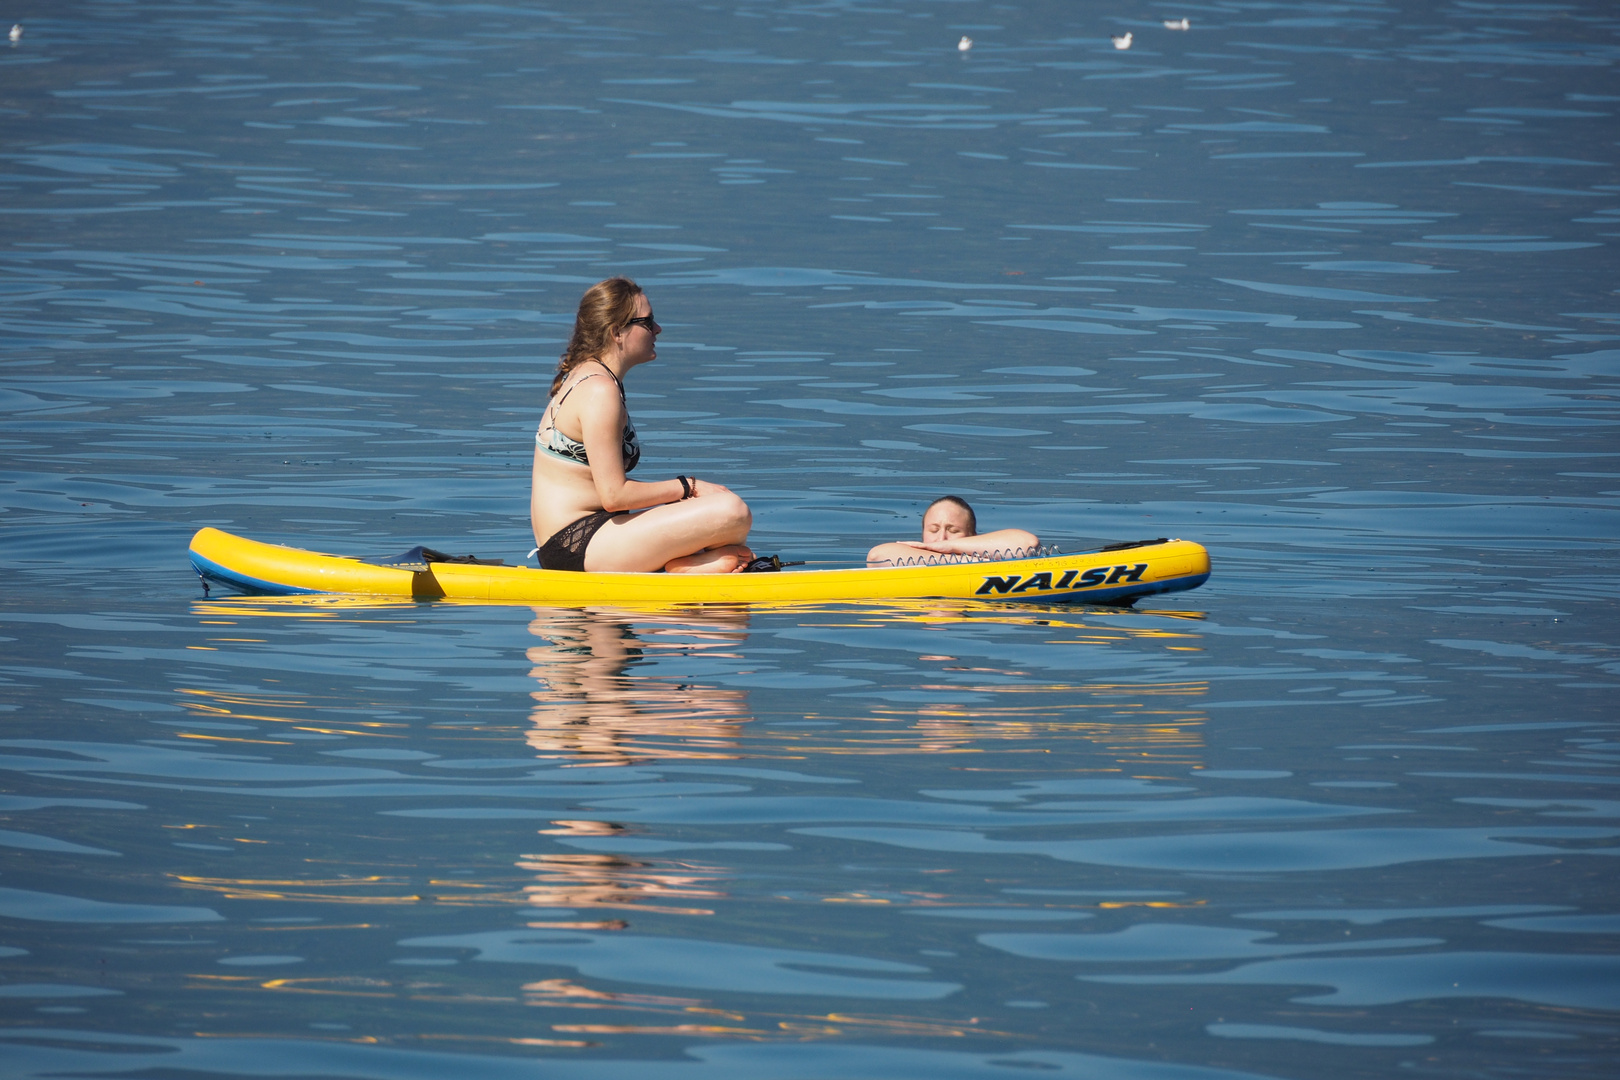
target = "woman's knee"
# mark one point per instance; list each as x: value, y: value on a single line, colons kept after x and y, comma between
x: 729, y: 513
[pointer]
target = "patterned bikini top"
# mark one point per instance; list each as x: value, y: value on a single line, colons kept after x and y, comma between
x: 560, y: 446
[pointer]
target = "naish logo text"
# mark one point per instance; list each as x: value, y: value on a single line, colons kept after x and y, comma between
x: 1042, y: 582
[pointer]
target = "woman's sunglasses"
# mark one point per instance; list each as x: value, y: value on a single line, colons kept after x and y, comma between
x: 644, y: 320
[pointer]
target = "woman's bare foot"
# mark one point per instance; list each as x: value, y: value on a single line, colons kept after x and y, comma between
x: 727, y: 559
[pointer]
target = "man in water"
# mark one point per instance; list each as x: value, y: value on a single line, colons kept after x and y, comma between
x: 950, y: 533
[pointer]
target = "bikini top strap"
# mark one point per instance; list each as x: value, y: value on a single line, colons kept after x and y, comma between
x: 555, y: 409
x: 616, y: 380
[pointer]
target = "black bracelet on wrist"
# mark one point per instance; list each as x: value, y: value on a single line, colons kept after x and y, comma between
x: 686, y: 488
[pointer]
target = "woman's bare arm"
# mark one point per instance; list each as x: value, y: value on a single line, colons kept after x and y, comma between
x: 984, y: 543
x: 601, y: 422
x: 1002, y: 541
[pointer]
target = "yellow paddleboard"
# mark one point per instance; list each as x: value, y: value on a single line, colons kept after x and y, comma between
x: 1116, y: 575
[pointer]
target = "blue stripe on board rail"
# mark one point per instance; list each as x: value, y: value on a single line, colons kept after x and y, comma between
x: 210, y: 570
x: 1040, y: 588
x: 1118, y: 596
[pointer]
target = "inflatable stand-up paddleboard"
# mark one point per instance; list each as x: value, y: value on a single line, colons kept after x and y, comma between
x: 1118, y: 574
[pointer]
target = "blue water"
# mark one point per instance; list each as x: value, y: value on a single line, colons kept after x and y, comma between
x: 1328, y: 287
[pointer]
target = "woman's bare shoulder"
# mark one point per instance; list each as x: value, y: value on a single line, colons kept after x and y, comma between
x: 591, y: 388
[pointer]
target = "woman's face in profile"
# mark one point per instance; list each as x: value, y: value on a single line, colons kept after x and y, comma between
x: 637, y: 342
x: 945, y: 521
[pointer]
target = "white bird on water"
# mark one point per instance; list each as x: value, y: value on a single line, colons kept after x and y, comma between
x: 1182, y: 23
x: 1123, y: 41
x: 16, y: 33
x: 965, y: 44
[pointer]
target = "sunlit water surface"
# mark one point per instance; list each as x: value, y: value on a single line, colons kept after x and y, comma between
x: 1327, y: 287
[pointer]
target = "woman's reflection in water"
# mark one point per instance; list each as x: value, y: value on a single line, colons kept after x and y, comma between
x: 618, y: 686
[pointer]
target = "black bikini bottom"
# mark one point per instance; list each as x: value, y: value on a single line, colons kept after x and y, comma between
x: 566, y: 548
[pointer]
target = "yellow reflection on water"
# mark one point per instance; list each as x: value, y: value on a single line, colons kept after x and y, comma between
x: 564, y: 993
x: 992, y: 708
x: 611, y: 881
x: 805, y: 1028
x: 1133, y: 736
x: 301, y: 889
x: 272, y: 708
x: 760, y: 1025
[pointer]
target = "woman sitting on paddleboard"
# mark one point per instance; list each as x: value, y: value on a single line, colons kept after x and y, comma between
x: 587, y: 514
x: 950, y: 534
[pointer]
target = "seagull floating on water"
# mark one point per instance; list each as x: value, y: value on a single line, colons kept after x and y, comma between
x: 1123, y: 41
x: 965, y: 44
x: 16, y: 32
x: 1182, y: 23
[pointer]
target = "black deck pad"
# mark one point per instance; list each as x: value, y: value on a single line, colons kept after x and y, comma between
x: 417, y: 559
x: 1122, y: 545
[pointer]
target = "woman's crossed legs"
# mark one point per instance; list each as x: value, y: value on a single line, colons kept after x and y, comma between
x: 700, y: 535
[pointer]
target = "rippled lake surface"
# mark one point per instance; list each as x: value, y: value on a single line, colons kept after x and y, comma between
x: 1328, y: 287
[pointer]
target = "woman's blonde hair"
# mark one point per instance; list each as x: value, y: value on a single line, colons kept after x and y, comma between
x: 606, y: 308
